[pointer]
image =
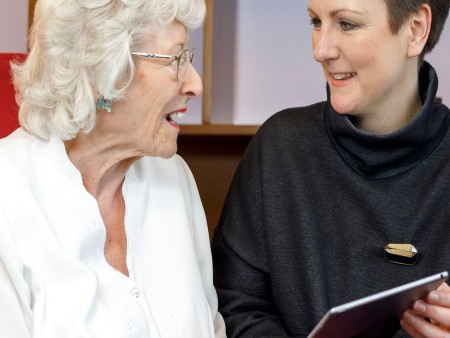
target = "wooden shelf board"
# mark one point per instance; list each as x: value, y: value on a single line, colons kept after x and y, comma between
x: 218, y: 129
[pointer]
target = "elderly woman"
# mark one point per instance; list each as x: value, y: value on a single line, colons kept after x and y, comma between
x: 322, y: 189
x: 102, y: 231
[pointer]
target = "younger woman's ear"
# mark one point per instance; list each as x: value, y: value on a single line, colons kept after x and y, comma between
x: 419, y: 25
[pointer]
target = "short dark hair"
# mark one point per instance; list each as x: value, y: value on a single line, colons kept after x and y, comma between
x: 400, y: 10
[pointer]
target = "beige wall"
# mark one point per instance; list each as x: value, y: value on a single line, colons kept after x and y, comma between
x: 13, y: 25
x: 254, y: 40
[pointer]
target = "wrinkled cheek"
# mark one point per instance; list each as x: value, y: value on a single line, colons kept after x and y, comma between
x: 146, y: 136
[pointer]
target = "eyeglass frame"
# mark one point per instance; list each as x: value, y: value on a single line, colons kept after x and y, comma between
x: 172, y: 58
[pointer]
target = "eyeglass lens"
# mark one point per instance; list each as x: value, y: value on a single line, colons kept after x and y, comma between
x: 185, y: 58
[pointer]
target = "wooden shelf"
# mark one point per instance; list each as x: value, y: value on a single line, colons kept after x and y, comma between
x: 218, y: 130
x: 213, y: 159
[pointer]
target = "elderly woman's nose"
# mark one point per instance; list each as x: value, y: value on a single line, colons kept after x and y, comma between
x: 324, y: 46
x: 192, y: 83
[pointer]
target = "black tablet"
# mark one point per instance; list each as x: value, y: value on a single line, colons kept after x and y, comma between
x: 377, y: 315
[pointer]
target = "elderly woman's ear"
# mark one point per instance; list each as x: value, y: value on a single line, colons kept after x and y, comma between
x: 419, y: 26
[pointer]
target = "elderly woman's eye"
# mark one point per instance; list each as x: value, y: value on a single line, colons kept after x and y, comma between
x: 346, y: 25
x: 183, y: 59
x: 174, y: 63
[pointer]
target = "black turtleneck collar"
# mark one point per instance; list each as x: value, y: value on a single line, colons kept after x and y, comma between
x: 383, y: 156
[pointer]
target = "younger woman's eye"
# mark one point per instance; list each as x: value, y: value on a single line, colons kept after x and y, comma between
x: 315, y: 22
x: 347, y: 25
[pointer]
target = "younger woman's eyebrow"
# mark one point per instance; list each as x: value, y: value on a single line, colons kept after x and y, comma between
x: 310, y: 11
x: 340, y: 10
x: 337, y: 11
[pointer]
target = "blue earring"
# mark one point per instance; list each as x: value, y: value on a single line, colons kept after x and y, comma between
x: 103, y: 103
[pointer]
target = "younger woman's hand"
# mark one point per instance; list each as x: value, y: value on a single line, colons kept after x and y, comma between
x: 429, y: 317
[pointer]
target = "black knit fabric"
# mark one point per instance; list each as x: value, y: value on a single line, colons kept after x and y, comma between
x: 311, y: 206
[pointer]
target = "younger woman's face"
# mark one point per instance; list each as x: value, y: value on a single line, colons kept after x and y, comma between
x: 364, y: 62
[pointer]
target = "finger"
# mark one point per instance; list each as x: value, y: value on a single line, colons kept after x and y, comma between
x: 444, y: 287
x: 410, y: 330
x: 418, y: 327
x: 439, y: 297
x: 436, y: 313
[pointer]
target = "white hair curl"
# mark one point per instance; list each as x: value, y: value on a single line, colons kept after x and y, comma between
x: 78, y: 46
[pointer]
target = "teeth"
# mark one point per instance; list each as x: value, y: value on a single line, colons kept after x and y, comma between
x: 343, y: 76
x: 179, y: 114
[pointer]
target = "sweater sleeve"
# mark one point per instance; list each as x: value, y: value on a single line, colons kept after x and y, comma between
x: 241, y: 263
x: 15, y: 317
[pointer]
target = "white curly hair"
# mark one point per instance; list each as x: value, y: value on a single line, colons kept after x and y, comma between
x: 80, y: 49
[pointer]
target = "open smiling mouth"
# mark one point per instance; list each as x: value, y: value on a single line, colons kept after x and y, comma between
x: 178, y: 114
x: 342, y: 76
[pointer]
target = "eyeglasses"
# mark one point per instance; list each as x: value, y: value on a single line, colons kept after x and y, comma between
x: 180, y: 61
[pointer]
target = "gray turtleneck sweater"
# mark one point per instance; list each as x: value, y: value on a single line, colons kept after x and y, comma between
x: 314, y: 201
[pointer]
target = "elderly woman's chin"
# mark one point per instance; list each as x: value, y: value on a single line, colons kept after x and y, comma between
x: 168, y: 151
x: 164, y: 147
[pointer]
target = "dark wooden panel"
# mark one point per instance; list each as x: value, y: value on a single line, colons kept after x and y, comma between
x: 213, y: 161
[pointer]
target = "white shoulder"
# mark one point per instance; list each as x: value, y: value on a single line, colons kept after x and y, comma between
x: 14, y: 295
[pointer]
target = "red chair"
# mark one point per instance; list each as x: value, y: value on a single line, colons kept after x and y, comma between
x: 8, y: 106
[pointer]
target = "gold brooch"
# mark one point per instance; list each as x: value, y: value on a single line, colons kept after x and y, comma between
x: 405, y: 254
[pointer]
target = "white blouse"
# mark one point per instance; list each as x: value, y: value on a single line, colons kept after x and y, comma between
x: 54, y: 278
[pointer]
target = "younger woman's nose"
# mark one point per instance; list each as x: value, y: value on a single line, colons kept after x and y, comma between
x: 324, y: 45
